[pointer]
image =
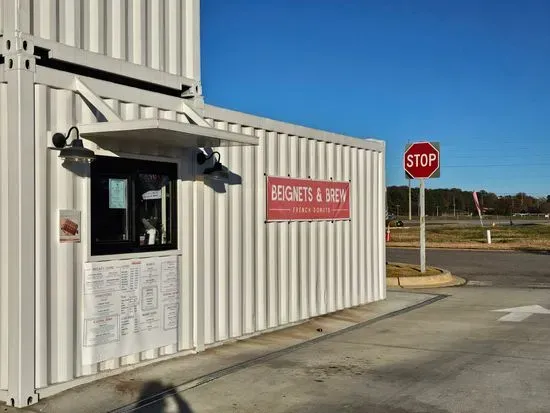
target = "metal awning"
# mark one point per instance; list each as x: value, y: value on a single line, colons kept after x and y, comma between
x: 163, y: 132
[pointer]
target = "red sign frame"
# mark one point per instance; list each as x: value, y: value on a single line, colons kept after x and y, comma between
x: 298, y: 199
x: 423, y: 151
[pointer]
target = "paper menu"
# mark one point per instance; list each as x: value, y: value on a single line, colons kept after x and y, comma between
x: 129, y: 306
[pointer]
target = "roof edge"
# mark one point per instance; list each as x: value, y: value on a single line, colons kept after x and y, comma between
x: 245, y: 119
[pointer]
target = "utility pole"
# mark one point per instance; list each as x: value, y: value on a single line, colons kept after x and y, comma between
x: 397, y: 206
x: 511, y: 210
x: 454, y: 207
x: 437, y: 210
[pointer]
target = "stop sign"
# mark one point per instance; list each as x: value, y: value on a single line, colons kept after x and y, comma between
x: 421, y: 160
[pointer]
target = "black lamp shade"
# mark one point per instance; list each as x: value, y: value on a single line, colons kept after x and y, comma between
x: 77, y: 152
x: 219, y: 176
x: 217, y: 172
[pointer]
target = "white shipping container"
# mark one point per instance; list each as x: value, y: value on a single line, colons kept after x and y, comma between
x: 154, y: 41
x: 238, y: 275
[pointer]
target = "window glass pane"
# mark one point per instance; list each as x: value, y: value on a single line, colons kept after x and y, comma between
x: 133, y: 205
x: 112, y: 217
x: 154, y: 209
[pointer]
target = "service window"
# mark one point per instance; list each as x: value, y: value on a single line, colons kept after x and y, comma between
x: 134, y: 205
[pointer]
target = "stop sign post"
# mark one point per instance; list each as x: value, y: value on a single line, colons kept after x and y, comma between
x: 422, y: 161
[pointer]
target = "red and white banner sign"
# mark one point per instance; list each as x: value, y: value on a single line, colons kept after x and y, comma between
x: 476, y: 201
x: 291, y: 199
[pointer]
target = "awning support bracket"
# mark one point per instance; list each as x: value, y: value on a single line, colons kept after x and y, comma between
x: 111, y: 116
x: 87, y: 93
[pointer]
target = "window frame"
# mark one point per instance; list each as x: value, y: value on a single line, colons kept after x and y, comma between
x: 118, y: 167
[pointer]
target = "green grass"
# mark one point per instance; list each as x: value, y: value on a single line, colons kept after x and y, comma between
x: 535, y: 236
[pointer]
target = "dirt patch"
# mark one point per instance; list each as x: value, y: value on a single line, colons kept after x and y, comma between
x: 409, y: 270
x: 129, y: 386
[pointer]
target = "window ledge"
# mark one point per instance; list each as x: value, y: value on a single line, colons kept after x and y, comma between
x: 133, y: 255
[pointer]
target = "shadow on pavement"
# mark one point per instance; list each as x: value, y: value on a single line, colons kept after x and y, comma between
x: 537, y: 252
x: 155, y: 397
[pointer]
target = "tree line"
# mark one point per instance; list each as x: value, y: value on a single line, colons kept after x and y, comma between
x: 454, y: 201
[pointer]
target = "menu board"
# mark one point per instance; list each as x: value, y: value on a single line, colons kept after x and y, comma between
x: 128, y: 306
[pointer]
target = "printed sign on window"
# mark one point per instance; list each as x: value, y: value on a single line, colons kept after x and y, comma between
x: 117, y: 193
x: 149, y: 195
x: 69, y: 225
x: 291, y: 199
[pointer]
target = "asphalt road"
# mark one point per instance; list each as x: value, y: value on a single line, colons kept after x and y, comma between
x: 471, y: 222
x: 485, y: 268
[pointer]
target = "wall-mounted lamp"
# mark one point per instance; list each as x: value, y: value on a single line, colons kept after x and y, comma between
x: 75, y: 151
x: 216, y: 172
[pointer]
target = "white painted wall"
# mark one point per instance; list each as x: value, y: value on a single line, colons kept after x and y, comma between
x: 239, y: 275
x: 160, y: 34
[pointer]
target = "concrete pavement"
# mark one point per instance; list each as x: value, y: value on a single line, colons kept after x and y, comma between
x: 443, y: 279
x: 436, y: 351
x: 451, y: 356
x: 161, y: 387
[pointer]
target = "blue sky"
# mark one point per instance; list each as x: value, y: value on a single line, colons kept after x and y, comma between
x: 472, y: 74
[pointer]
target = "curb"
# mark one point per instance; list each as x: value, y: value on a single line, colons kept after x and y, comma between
x: 445, y: 279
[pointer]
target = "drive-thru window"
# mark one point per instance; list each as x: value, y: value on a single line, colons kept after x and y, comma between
x: 133, y: 205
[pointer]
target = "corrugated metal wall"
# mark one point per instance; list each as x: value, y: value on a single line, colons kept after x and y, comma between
x: 254, y: 275
x: 240, y: 275
x: 59, y: 266
x: 4, y: 240
x: 160, y: 34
